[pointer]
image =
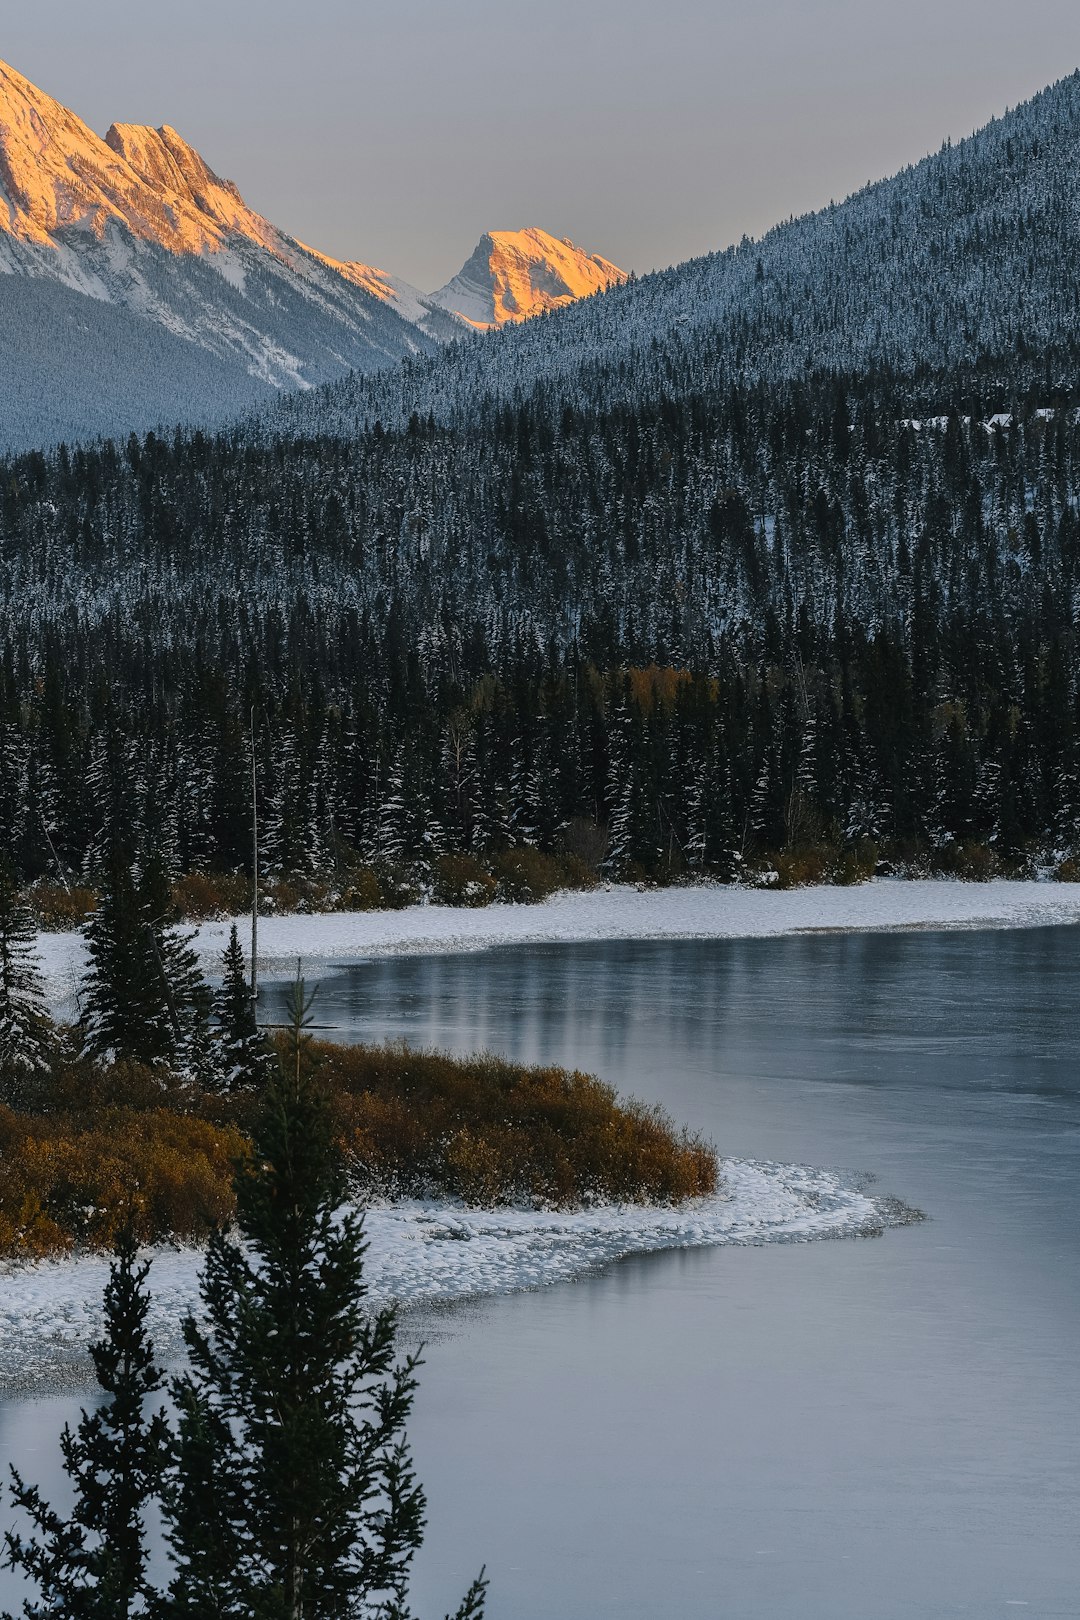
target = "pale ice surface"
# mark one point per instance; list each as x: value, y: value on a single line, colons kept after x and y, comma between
x: 703, y: 911
x: 421, y: 1252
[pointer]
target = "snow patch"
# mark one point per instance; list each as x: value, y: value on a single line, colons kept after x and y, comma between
x: 420, y: 1252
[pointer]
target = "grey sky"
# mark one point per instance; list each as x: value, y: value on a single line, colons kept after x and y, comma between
x: 398, y: 132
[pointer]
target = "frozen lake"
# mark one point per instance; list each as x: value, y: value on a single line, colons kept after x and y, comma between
x: 825, y: 1431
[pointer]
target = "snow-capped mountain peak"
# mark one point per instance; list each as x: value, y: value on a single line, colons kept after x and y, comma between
x: 513, y: 275
x: 177, y: 174
x: 57, y: 175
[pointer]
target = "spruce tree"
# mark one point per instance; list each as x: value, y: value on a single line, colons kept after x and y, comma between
x: 180, y: 981
x: 92, y: 1564
x: 143, y: 995
x: 294, y: 1497
x: 124, y: 1008
x: 27, y: 1035
x: 244, y: 1060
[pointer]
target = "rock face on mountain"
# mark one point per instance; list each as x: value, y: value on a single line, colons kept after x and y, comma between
x: 139, y: 221
x: 513, y: 275
x: 211, y: 306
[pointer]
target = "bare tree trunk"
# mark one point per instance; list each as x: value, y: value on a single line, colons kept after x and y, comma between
x: 254, y: 874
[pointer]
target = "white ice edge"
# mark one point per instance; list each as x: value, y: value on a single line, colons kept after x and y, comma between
x: 421, y: 1252
x: 705, y: 911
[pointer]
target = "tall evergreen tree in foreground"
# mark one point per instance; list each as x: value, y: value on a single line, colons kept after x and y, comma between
x: 293, y: 1496
x: 27, y: 1036
x: 92, y: 1565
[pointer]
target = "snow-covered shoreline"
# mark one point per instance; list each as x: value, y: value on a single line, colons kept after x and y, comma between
x: 706, y: 911
x: 421, y: 1253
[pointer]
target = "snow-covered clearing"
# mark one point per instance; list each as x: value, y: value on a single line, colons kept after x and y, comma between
x: 706, y: 911
x: 424, y: 1252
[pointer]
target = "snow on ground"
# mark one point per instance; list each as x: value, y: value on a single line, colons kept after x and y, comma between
x: 425, y: 1252
x: 706, y: 911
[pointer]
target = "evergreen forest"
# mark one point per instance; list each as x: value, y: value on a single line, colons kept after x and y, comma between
x: 676, y: 638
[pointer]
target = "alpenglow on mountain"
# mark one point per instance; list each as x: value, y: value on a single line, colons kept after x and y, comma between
x: 138, y: 288
x: 513, y: 275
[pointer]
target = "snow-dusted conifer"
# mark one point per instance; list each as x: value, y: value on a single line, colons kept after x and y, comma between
x: 293, y: 1494
x: 143, y: 995
x: 92, y: 1564
x: 243, y: 1060
x: 27, y: 1035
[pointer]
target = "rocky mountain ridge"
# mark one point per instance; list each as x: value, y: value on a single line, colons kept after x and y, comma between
x: 139, y: 221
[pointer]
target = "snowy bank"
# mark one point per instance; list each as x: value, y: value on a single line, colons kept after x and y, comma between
x: 425, y: 1252
x: 707, y: 911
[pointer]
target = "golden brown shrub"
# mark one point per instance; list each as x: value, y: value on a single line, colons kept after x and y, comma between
x: 106, y: 1140
x: 361, y: 891
x: 460, y: 880
x: 526, y: 874
x: 59, y: 910
x: 62, y: 1185
x: 490, y: 1131
x: 199, y: 895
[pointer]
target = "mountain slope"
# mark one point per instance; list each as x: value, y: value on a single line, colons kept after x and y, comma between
x: 140, y: 222
x: 968, y: 259
x: 513, y: 275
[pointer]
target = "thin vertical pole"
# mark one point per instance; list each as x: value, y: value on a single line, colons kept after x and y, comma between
x: 254, y: 870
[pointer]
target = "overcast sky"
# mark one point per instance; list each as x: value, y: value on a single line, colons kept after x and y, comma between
x: 398, y: 132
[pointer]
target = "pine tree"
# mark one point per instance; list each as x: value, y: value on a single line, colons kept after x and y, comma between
x: 93, y: 1564
x: 294, y: 1408
x: 179, y: 976
x: 27, y: 1036
x: 144, y: 996
x: 619, y: 791
x: 124, y: 1011
x: 243, y: 1060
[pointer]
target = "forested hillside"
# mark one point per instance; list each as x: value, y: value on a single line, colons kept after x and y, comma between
x: 967, y: 260
x: 765, y: 619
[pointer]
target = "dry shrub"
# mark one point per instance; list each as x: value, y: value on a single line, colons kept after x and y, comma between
x: 361, y: 891
x: 62, y: 1185
x: 796, y: 868
x: 60, y: 910
x: 853, y: 865
x: 105, y: 1140
x: 576, y: 873
x: 297, y: 891
x: 490, y: 1131
x: 526, y: 874
x: 970, y: 861
x: 1068, y: 871
x: 460, y: 880
x: 200, y: 895
x: 398, y: 887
